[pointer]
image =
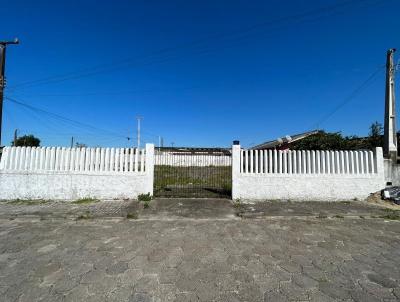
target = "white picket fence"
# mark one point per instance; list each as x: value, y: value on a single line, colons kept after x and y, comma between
x: 73, y: 159
x: 306, y: 175
x: 307, y: 162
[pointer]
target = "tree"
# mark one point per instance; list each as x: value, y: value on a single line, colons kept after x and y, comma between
x: 324, y: 141
x: 375, y: 136
x: 335, y: 141
x: 375, y: 130
x: 26, y: 141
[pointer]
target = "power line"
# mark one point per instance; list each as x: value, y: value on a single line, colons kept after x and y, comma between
x: 94, y: 93
x: 353, y: 95
x: 65, y: 119
x: 123, y: 63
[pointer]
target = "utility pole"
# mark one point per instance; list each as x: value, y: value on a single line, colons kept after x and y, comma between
x: 72, y: 142
x: 3, y: 45
x: 139, y: 118
x: 15, y: 136
x: 390, y: 137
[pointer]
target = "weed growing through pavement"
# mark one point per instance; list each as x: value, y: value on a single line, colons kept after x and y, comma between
x: 84, y: 216
x: 145, y: 198
x: 391, y: 214
x: 132, y: 215
x: 237, y: 203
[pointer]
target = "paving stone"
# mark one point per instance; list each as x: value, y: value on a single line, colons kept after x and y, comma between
x: 140, y: 297
x: 117, y: 268
x: 382, y: 280
x: 362, y: 296
x: 332, y: 290
x: 274, y: 296
x: 199, y: 260
x: 304, y: 282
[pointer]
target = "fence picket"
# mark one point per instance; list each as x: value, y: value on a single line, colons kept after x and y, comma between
x: 307, y: 162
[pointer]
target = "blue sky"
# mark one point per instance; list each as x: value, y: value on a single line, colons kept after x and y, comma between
x: 201, y: 73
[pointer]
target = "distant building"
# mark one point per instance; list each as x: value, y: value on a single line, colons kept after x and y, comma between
x: 283, y: 143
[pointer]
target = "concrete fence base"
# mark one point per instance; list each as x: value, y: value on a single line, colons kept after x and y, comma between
x: 67, y: 174
x: 254, y: 178
x: 70, y: 186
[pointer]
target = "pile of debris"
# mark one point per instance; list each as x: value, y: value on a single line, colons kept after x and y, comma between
x: 391, y: 193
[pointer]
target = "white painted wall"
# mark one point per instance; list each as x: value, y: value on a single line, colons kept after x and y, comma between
x: 306, y: 175
x: 70, y: 173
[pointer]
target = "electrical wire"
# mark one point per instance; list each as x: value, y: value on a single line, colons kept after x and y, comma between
x: 348, y: 99
x: 66, y: 119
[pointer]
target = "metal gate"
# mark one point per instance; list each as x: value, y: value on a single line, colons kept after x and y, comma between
x: 193, y: 172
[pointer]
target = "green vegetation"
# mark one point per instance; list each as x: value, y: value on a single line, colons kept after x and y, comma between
x: 237, y: 203
x: 391, y: 214
x: 206, y: 180
x: 338, y: 216
x: 146, y: 204
x: 84, y: 216
x: 28, y: 202
x: 320, y: 216
x: 227, y: 188
x: 336, y: 141
x: 132, y: 215
x: 26, y: 141
x: 145, y: 197
x: 86, y: 200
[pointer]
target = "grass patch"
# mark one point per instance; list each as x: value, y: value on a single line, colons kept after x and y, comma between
x: 206, y: 180
x: 85, y: 200
x: 145, y: 198
x: 320, y: 216
x: 28, y: 202
x: 338, y: 216
x: 362, y: 217
x: 132, y: 215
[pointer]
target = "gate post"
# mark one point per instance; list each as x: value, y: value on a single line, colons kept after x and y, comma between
x: 235, y: 169
x: 150, y: 167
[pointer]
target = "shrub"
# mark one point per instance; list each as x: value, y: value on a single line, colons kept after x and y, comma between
x: 145, y: 197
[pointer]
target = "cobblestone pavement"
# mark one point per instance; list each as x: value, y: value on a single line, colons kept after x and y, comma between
x: 60, y: 209
x: 285, y: 259
x: 170, y: 208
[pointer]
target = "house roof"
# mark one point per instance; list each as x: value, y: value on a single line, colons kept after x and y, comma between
x: 284, y: 140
